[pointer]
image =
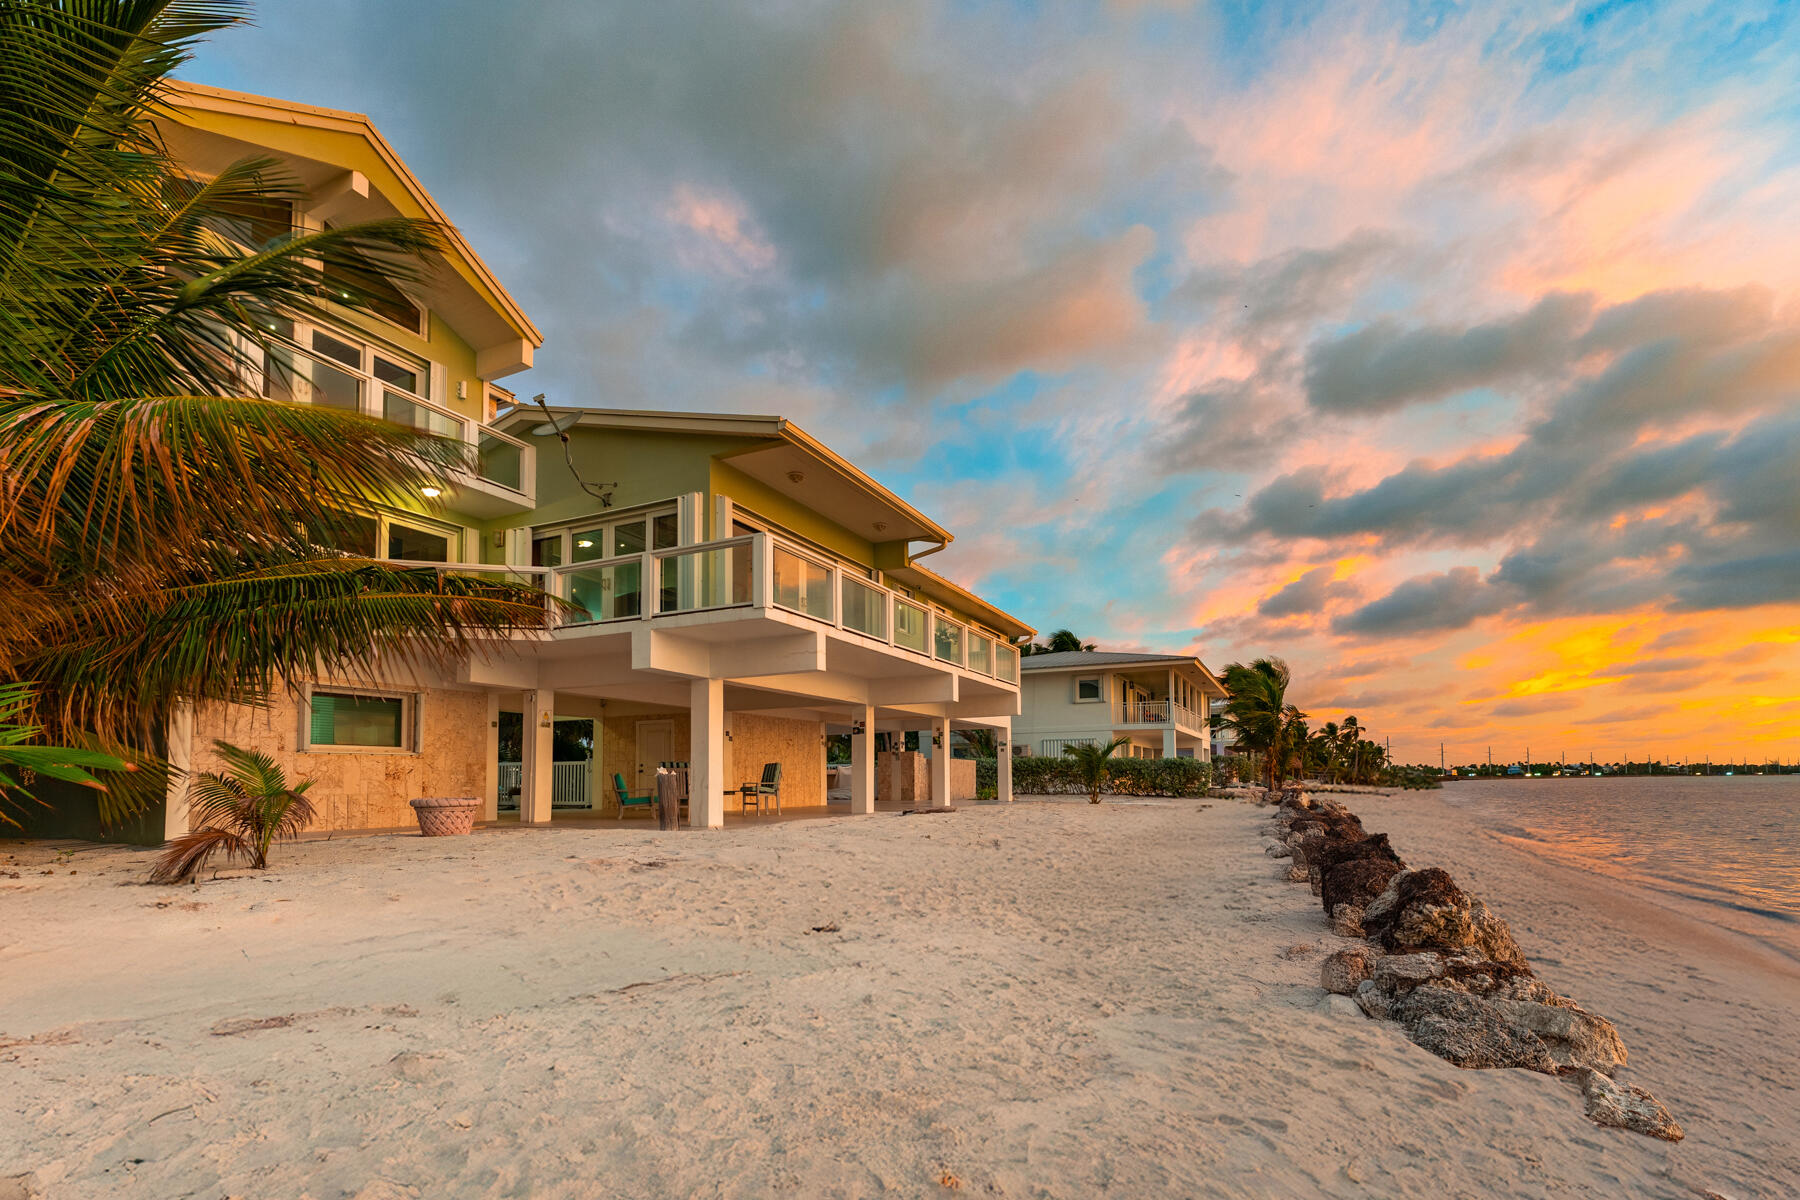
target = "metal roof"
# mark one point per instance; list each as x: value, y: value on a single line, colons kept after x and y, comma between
x: 1096, y: 658
x: 1076, y: 660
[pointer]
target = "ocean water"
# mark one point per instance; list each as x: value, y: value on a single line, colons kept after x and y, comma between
x: 1731, y: 844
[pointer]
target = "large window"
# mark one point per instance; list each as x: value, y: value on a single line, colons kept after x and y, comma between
x: 416, y: 545
x: 352, y: 274
x: 342, y: 370
x: 382, y: 536
x: 358, y: 721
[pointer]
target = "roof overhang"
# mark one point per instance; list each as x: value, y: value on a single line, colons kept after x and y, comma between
x: 778, y: 454
x: 1209, y: 683
x: 352, y: 171
x: 936, y: 586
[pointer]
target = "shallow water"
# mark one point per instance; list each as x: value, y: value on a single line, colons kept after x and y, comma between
x: 1732, y: 844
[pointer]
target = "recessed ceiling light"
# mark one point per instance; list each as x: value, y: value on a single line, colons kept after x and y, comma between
x: 585, y: 544
x: 431, y: 493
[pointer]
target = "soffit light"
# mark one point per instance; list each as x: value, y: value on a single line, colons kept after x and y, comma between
x: 430, y: 492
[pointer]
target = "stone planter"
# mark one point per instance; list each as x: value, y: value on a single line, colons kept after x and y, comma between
x: 446, y: 816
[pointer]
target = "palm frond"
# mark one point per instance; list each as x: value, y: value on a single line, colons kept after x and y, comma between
x: 188, y: 854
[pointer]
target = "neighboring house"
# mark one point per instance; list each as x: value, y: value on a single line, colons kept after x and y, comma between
x: 1158, y: 701
x: 740, y: 591
x: 1224, y: 738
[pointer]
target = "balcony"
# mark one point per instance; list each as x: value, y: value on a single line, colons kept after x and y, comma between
x: 760, y: 574
x: 499, y: 478
x: 1162, y: 712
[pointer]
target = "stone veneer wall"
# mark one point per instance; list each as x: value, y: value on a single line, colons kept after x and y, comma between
x: 360, y: 789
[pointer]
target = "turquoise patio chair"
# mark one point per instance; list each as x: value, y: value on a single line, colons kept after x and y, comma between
x: 627, y: 800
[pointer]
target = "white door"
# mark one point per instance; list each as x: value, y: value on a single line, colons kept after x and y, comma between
x: 655, y: 746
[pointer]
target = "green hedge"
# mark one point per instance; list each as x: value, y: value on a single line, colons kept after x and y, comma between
x: 1034, y: 776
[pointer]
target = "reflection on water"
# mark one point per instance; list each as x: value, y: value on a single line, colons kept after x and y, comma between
x: 1728, y: 841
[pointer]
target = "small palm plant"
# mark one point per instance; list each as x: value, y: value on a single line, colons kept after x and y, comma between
x: 1091, y: 759
x: 242, y: 812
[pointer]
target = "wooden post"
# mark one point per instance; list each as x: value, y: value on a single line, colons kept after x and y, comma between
x: 668, y: 800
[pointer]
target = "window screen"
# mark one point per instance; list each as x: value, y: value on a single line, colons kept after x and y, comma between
x: 345, y: 719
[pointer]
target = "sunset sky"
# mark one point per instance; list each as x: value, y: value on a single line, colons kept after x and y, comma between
x: 1451, y: 351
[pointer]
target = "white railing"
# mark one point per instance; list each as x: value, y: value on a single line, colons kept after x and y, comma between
x: 1146, y: 712
x: 571, y: 785
x: 762, y: 571
x: 1158, y: 712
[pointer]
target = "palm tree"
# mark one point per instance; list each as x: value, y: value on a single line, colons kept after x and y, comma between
x: 165, y: 532
x: 20, y: 761
x: 1257, y: 712
x: 1062, y: 641
x: 242, y: 813
x: 1091, y: 763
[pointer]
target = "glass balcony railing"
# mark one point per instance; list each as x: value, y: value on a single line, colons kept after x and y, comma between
x: 414, y: 413
x: 713, y: 576
x: 763, y: 572
x: 607, y: 591
x: 947, y: 641
x: 981, y: 654
x: 864, y: 608
x: 909, y: 626
x: 500, y: 460
x: 802, y: 585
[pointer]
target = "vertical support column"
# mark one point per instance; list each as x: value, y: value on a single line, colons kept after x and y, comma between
x: 181, y: 765
x: 706, y: 754
x: 539, y: 747
x: 490, y: 767
x: 1169, y: 740
x: 1003, y: 742
x: 940, y: 762
x: 862, y: 760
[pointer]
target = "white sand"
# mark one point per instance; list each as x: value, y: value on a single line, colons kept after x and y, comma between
x: 1041, y: 1000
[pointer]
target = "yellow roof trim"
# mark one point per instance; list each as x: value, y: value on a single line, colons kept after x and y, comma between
x: 999, y: 618
x: 182, y: 94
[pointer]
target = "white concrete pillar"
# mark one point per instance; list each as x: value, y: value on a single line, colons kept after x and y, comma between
x: 490, y: 768
x: 1003, y: 741
x: 706, y: 754
x: 181, y: 765
x: 862, y: 760
x: 940, y: 762
x: 537, y: 757
x: 1169, y: 739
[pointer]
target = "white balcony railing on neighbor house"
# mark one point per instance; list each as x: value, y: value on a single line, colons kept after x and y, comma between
x: 1159, y: 712
x: 762, y: 571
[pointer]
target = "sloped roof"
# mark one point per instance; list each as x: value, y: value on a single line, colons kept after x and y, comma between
x: 1096, y: 658
x: 1076, y: 660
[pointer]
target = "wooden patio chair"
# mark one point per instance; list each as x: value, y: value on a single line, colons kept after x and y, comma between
x: 769, y: 785
x: 627, y: 800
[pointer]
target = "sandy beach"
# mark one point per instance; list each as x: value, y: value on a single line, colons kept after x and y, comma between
x: 1047, y: 999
